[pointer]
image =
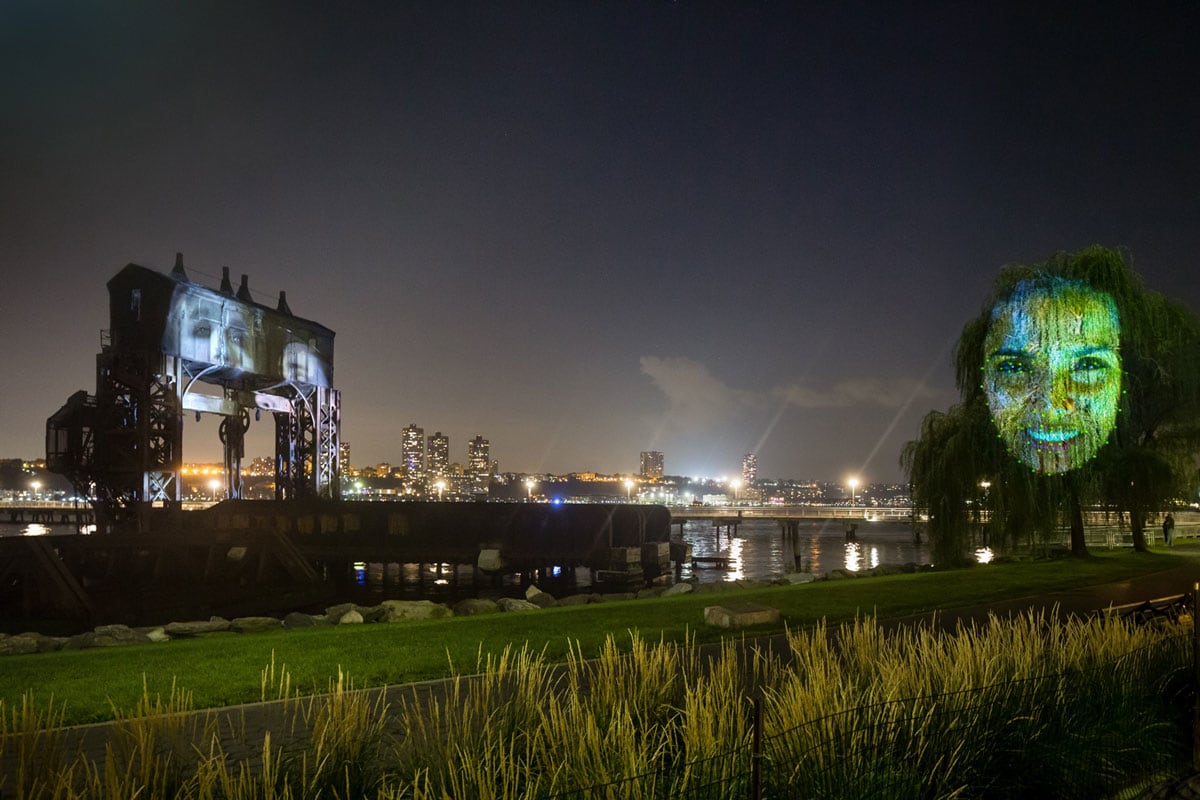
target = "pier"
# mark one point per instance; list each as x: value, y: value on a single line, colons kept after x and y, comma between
x: 788, y: 517
x: 31, y: 512
x: 243, y: 557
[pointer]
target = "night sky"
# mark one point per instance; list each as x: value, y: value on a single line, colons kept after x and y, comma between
x: 584, y: 230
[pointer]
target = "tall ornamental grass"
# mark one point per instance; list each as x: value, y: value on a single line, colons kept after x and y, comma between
x: 1032, y: 706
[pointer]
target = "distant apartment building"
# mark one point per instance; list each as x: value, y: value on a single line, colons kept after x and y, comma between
x: 412, y: 453
x: 261, y: 466
x: 437, y: 456
x: 749, y: 468
x: 344, y: 468
x: 479, y: 465
x: 652, y: 465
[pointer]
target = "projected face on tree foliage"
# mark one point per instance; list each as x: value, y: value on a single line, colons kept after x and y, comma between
x: 1052, y: 372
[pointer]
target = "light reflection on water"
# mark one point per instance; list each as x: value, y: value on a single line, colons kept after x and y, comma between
x: 853, y: 556
x: 36, y: 529
x: 760, y: 551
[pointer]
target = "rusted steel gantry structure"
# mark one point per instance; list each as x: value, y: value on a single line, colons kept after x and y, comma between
x: 174, y: 347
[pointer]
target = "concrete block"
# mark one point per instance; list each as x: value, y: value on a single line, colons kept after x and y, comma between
x: 740, y: 615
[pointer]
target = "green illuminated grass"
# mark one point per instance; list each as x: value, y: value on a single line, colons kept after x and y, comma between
x: 224, y: 669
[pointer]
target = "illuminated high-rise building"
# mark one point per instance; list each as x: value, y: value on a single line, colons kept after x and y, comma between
x: 749, y: 468
x: 412, y: 453
x: 652, y: 465
x: 479, y: 464
x: 437, y: 453
x: 344, y: 459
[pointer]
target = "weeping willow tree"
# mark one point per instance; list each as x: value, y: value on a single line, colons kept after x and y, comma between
x: 1137, y: 452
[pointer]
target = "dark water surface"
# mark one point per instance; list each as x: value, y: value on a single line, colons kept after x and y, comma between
x: 759, y: 551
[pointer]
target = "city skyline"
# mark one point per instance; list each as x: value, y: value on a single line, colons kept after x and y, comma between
x: 590, y: 232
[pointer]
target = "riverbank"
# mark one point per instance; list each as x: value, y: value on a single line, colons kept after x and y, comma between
x: 220, y: 669
x: 634, y: 667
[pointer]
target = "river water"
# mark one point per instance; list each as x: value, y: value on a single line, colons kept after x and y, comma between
x: 758, y: 551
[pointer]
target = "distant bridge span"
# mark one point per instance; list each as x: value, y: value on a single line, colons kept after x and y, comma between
x: 727, y: 514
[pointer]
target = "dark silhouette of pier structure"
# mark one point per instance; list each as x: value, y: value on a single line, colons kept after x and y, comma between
x: 177, y: 348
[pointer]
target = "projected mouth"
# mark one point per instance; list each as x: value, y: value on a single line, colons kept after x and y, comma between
x: 1050, y: 438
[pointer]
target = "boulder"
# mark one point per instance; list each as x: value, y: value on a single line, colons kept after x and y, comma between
x: 334, y: 613
x: 77, y: 642
x: 156, y: 634
x: 371, y: 613
x: 475, y: 605
x: 679, y: 588
x: 539, y: 598
x: 44, y: 643
x: 402, y: 610
x: 19, y: 645
x: 490, y: 561
x: 117, y: 636
x: 351, y: 617
x: 797, y: 578
x: 653, y: 591
x: 184, y: 630
x: 740, y: 615
x: 575, y: 600
x: 297, y: 619
x: 254, y: 624
x: 516, y: 604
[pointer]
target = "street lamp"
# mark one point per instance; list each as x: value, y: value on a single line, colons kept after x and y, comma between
x: 35, y: 487
x: 853, y: 487
x: 213, y: 486
x: 529, y: 484
x: 737, y: 485
x: 979, y: 512
x: 441, y: 487
x: 629, y: 490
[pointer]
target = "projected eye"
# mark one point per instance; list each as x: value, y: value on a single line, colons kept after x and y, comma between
x: 1009, y: 366
x: 1090, y: 369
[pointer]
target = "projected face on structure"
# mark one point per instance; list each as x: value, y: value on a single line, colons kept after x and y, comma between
x: 1052, y: 372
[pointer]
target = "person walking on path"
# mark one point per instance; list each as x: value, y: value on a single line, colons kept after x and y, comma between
x: 1169, y: 529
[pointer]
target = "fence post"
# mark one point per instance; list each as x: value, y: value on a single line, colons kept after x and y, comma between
x: 1196, y: 675
x: 756, y: 753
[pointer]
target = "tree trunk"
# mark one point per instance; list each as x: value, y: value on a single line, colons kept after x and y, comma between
x: 1137, y: 526
x: 1078, y: 545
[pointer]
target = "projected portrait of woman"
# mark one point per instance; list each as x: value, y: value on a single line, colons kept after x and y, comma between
x: 1052, y: 372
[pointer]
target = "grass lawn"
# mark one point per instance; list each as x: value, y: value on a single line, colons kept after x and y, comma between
x: 226, y: 669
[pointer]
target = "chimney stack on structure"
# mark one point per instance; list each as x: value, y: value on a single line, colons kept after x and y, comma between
x: 243, y: 292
